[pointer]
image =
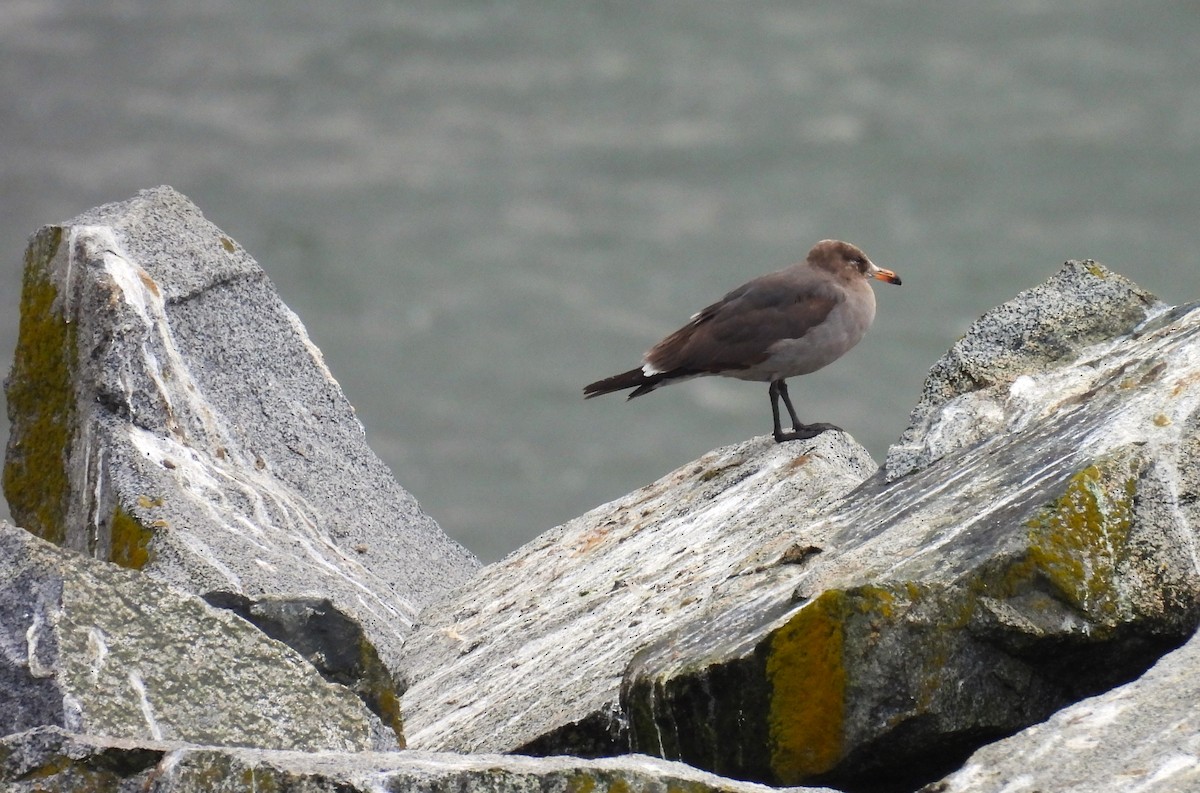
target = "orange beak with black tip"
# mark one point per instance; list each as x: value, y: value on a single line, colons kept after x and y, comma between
x: 884, y: 275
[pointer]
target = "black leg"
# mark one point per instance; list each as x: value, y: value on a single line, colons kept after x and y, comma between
x: 774, y: 392
x: 799, y: 431
x: 787, y: 401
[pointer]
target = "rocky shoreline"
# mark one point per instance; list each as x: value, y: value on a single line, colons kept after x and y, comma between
x: 216, y: 580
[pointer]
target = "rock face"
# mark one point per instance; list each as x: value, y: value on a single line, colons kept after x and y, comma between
x: 92, y: 648
x: 529, y: 655
x: 170, y: 414
x: 50, y: 759
x: 1144, y: 736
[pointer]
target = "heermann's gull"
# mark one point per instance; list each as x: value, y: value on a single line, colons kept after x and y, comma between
x: 777, y: 326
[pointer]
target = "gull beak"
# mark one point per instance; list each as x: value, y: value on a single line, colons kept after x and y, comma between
x: 883, y: 275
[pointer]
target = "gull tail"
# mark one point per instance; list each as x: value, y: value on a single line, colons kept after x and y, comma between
x: 636, y: 379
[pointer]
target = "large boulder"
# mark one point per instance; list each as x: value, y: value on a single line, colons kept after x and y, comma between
x: 1003, y: 576
x: 528, y: 656
x: 90, y: 647
x: 170, y: 414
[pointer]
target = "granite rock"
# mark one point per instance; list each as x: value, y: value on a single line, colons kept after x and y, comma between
x: 170, y: 414
x: 1143, y: 736
x: 964, y: 396
x: 528, y: 656
x: 90, y: 647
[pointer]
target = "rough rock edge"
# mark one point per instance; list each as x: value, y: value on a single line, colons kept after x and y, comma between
x: 1041, y: 328
x: 1142, y: 736
x: 87, y: 645
x: 51, y: 758
x: 581, y: 599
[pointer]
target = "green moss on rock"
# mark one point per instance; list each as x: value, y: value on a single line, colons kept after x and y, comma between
x: 130, y: 540
x: 581, y: 783
x: 41, y: 399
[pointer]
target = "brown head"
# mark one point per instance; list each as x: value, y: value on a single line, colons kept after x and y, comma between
x: 847, y: 262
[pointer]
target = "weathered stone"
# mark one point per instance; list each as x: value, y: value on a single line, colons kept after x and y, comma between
x: 1047, y: 562
x: 1143, y: 736
x: 329, y: 640
x: 529, y: 654
x: 171, y: 415
x: 52, y: 759
x: 964, y: 397
x: 90, y: 647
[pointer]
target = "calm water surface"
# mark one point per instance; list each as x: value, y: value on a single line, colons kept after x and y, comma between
x: 478, y: 207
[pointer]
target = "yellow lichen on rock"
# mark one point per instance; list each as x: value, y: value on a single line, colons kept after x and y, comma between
x: 1076, y: 541
x: 808, y: 680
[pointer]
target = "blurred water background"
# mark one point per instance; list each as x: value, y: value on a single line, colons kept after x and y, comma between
x: 478, y: 207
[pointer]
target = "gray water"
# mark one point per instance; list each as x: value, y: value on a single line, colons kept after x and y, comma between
x: 476, y: 208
